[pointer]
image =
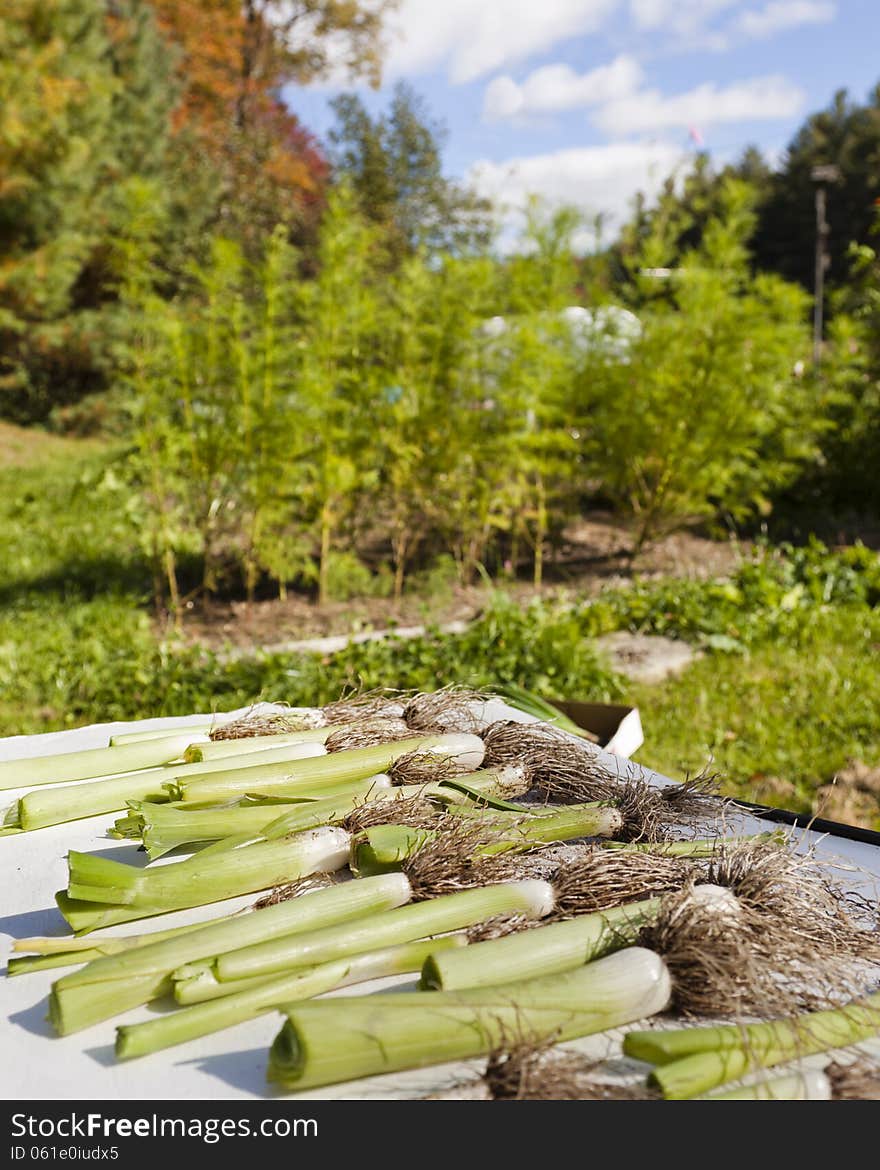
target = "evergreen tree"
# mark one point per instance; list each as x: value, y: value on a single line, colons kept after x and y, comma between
x: 393, y: 162
x: 84, y: 108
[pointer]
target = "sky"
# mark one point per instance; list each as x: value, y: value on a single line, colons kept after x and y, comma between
x: 590, y: 101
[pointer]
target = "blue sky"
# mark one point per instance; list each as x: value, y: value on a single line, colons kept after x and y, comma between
x: 588, y: 101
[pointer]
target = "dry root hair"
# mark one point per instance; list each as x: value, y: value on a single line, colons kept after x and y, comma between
x: 367, y: 733
x: 856, y: 1081
x: 535, y: 1070
x: 450, y: 709
x: 355, y: 706
x: 259, y: 722
x: 788, y: 942
x: 602, y: 878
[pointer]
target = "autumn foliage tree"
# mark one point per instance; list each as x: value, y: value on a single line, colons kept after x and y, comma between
x: 234, y: 58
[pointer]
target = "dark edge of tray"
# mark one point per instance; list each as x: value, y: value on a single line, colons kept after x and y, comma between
x: 808, y: 821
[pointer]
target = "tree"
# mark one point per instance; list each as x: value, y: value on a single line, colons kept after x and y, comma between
x: 85, y: 101
x: 393, y: 163
x: 251, y: 158
x: 847, y: 135
x: 708, y: 413
x: 337, y: 383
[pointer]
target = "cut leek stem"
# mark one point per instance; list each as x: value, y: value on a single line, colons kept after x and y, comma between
x: 437, y: 916
x: 809, y: 1085
x: 113, y: 984
x: 101, y: 891
x: 561, y: 946
x: 692, y: 1061
x: 329, y: 1041
x: 382, y: 848
x: 466, y: 750
x: 55, y: 806
x: 95, y: 762
x: 246, y: 1004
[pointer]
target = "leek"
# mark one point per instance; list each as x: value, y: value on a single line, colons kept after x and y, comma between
x: 809, y: 1085
x: 195, y: 729
x: 164, y: 827
x: 218, y: 749
x: 113, y: 984
x: 466, y: 750
x: 102, y: 892
x: 55, y: 806
x: 247, y: 1004
x: 558, y: 947
x: 451, y: 912
x: 694, y: 1060
x: 323, y: 1043
x: 85, y: 765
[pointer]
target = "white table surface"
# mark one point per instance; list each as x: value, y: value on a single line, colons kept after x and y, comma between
x: 230, y: 1065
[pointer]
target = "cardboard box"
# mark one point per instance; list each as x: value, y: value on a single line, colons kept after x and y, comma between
x: 618, y: 728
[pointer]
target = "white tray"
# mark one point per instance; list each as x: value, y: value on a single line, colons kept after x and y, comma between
x: 230, y: 1065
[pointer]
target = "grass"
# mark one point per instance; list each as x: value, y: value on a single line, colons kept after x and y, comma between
x: 786, y: 693
x: 780, y: 721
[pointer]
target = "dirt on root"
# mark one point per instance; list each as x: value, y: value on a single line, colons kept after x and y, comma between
x: 593, y: 554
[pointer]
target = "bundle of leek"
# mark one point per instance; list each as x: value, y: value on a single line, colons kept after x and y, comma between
x: 163, y: 827
x: 287, y: 769
x: 338, y: 923
x: 765, y: 932
x: 263, y: 995
x: 451, y: 912
x: 140, y: 969
x: 53, y: 806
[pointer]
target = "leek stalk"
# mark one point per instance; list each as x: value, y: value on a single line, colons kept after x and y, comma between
x: 307, y: 776
x: 94, y: 762
x: 544, y: 950
x: 55, y: 806
x: 405, y: 924
x: 102, y: 892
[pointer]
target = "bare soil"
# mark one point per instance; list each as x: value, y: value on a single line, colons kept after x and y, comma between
x: 593, y: 555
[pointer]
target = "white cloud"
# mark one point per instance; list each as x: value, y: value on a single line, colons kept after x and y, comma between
x: 595, y: 178
x: 553, y: 88
x: 779, y: 15
x: 760, y: 98
x: 684, y: 15
x: 470, y: 38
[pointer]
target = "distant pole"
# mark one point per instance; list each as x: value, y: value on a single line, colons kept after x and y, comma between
x: 821, y: 176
